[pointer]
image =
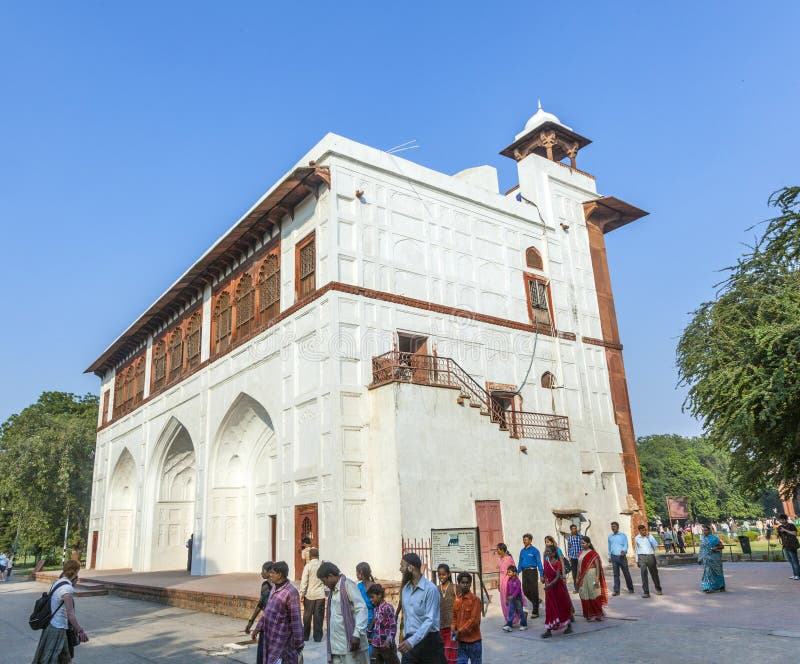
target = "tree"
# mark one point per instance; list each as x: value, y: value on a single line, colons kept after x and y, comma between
x: 676, y: 466
x: 47, y: 456
x: 740, y: 357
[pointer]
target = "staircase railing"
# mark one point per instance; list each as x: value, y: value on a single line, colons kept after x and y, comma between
x: 402, y: 367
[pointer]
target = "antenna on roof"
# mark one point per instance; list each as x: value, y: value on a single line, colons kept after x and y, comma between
x: 403, y: 146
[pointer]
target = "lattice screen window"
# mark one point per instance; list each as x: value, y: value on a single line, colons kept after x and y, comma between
x: 269, y: 289
x: 245, y: 306
x: 222, y: 323
x: 175, y: 355
x: 119, y: 395
x: 540, y: 308
x: 129, y: 387
x: 159, y: 366
x: 306, y: 271
x: 193, y: 336
x: 139, y: 382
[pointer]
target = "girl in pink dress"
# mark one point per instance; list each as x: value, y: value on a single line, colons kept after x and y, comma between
x: 506, y: 560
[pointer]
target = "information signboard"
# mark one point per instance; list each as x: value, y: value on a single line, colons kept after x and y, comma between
x: 677, y: 507
x: 457, y: 547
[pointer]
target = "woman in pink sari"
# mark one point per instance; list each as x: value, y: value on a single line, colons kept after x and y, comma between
x: 506, y: 560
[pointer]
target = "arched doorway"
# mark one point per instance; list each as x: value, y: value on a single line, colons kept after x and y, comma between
x: 238, y: 502
x: 118, y: 546
x: 174, y: 509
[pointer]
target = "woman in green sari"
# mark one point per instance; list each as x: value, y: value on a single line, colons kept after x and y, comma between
x: 711, y: 558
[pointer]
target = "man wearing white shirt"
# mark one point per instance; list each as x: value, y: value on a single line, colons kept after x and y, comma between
x: 645, y: 547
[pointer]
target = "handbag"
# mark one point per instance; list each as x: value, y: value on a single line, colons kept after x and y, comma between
x: 72, y: 640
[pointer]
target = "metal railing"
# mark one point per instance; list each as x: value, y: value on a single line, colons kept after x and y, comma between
x: 402, y: 367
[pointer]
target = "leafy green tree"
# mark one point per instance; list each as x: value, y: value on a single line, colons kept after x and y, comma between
x: 47, y: 456
x: 676, y: 466
x: 740, y: 357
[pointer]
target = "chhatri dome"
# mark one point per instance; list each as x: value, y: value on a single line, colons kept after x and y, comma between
x: 539, y: 118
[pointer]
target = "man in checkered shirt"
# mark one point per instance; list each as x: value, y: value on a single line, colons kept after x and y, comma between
x: 573, y: 551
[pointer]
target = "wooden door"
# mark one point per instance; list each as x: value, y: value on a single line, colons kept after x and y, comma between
x: 490, y: 527
x: 305, y: 525
x: 421, y: 362
x: 95, y: 539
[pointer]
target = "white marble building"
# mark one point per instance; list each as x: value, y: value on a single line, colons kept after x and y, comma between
x: 245, y: 406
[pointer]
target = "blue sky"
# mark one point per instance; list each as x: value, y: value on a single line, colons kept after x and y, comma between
x: 132, y: 135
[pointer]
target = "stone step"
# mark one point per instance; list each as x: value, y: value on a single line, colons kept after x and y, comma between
x: 90, y: 589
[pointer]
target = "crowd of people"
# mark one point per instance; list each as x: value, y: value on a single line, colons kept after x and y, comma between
x: 440, y: 622
x: 6, y: 566
x: 434, y: 622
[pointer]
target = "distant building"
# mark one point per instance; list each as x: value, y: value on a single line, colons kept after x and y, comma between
x: 345, y: 364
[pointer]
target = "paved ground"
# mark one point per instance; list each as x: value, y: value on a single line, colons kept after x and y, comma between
x: 756, y: 620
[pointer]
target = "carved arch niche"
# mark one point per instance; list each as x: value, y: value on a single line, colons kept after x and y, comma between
x: 242, y: 470
x: 120, y: 519
x: 174, y: 488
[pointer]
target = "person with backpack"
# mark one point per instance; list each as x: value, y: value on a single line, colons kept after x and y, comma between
x: 60, y: 629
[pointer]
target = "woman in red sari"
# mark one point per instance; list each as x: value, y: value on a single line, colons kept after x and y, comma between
x: 592, y: 588
x: 557, y: 604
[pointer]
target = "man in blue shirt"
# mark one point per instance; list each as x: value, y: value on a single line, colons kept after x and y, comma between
x: 618, y: 555
x: 530, y: 567
x: 420, y: 600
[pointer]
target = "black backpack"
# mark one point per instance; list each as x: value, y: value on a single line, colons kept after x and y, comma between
x: 41, y: 616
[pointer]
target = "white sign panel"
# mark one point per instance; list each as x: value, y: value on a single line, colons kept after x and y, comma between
x: 456, y: 547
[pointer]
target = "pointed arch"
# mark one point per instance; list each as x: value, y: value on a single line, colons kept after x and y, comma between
x: 172, y: 487
x: 123, y: 489
x: 236, y: 484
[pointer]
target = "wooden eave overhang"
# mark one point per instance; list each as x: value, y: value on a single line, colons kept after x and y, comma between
x: 521, y: 143
x: 265, y: 214
x: 611, y: 213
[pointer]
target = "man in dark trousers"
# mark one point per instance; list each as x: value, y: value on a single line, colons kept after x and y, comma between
x: 530, y: 568
x: 787, y: 533
x: 618, y: 555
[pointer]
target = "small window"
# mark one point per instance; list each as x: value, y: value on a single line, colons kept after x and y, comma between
x: 306, y: 265
x: 538, y: 301
x: 245, y: 306
x: 193, y: 336
x: 533, y: 259
x: 269, y: 289
x: 175, y: 355
x: 548, y: 380
x: 159, y: 366
x: 222, y: 323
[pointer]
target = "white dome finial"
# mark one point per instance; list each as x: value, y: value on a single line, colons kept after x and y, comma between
x: 540, y: 117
